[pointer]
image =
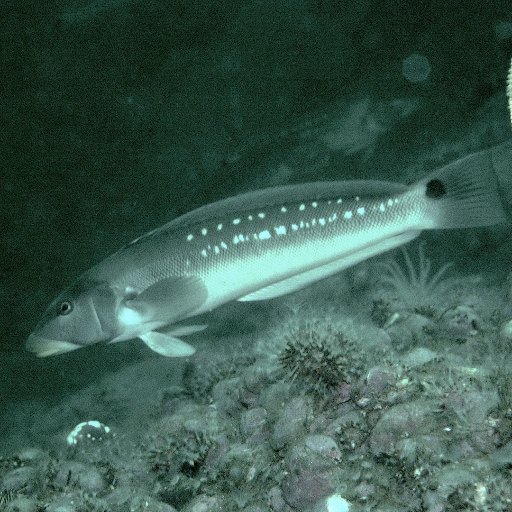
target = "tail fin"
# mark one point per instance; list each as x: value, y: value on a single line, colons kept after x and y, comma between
x: 462, y: 194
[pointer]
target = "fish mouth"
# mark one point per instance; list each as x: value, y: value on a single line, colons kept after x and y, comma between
x: 44, y: 347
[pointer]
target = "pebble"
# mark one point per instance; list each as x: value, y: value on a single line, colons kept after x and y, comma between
x: 290, y: 423
x: 274, y: 397
x: 303, y: 490
x: 403, y: 421
x: 379, y: 379
x: 226, y: 395
x: 462, y: 320
x: 252, y: 421
x: 85, y: 476
x: 418, y: 357
x: 204, y: 503
x: 314, y: 453
x: 20, y: 504
x: 19, y: 478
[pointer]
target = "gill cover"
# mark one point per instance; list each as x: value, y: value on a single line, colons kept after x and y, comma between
x: 82, y: 315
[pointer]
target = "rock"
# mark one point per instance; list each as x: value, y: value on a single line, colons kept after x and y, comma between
x: 256, y: 377
x: 146, y: 503
x: 502, y: 457
x: 314, y: 453
x: 411, y: 327
x: 275, y: 500
x: 290, y: 423
x: 62, y: 504
x: 226, y: 395
x: 252, y: 421
x: 462, y: 321
x: 418, y: 357
x: 20, y: 504
x: 204, y: 503
x: 19, y: 478
x: 412, y: 421
x: 31, y: 455
x: 84, y: 476
x: 303, y: 490
x: 378, y: 379
x: 274, y: 397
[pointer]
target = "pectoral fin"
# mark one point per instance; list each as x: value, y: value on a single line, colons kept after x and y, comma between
x: 169, y: 299
x: 167, y: 345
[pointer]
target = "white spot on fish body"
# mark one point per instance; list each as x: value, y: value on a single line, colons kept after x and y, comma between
x: 236, y: 239
x: 360, y: 211
x: 283, y: 209
x: 333, y: 217
x: 264, y: 235
x: 236, y: 221
x: 219, y: 227
x: 357, y: 199
x: 347, y: 214
x: 339, y: 201
x: 241, y: 237
x: 217, y: 250
x: 295, y: 227
x: 313, y: 222
x: 261, y: 215
x: 382, y: 208
x: 301, y: 224
x: 321, y: 221
x: 250, y: 217
x: 204, y: 231
x: 190, y: 237
x: 302, y: 207
x: 223, y: 245
x: 390, y: 202
x: 204, y: 254
x: 314, y: 204
x: 280, y: 230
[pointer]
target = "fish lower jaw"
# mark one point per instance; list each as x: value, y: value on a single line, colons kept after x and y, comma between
x: 43, y: 347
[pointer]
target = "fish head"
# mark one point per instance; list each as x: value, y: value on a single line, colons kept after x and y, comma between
x: 84, y: 314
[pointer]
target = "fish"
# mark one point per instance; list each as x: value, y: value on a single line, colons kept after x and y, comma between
x: 256, y: 246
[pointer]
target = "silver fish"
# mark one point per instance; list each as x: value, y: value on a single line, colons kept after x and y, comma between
x: 256, y: 246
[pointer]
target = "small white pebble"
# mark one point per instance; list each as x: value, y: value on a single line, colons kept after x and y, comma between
x: 334, y: 503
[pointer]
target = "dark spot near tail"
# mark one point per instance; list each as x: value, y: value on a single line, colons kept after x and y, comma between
x: 435, y: 189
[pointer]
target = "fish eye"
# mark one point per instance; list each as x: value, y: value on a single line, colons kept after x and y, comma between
x: 64, y: 308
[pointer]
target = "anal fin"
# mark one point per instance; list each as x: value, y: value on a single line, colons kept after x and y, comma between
x: 167, y: 345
